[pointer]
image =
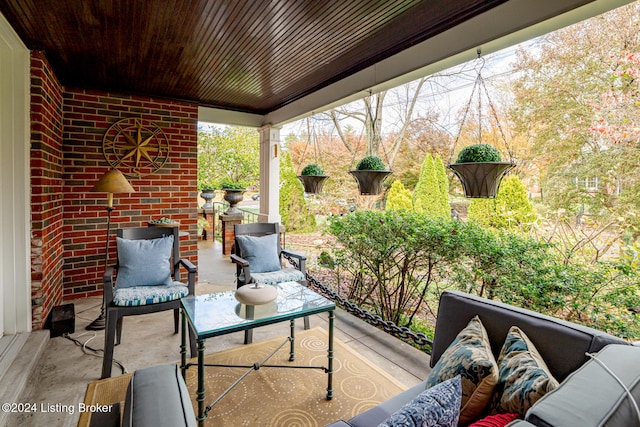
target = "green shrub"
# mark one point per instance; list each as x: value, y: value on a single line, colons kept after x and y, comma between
x: 511, y: 209
x: 232, y: 185
x: 313, y: 170
x: 326, y: 260
x: 398, y: 198
x: 294, y: 209
x: 371, y: 163
x: 431, y: 195
x: 479, y: 153
x: 396, y: 264
x: 392, y: 260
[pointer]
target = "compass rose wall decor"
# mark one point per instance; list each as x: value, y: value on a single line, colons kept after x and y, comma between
x: 136, y: 147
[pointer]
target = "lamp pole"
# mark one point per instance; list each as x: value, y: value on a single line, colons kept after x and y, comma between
x: 113, y: 181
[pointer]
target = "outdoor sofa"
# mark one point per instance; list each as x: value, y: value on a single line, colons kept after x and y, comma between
x: 588, y: 393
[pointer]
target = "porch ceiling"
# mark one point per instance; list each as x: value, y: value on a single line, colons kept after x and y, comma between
x: 259, y: 56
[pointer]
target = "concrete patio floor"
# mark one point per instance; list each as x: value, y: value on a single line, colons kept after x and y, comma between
x: 61, y: 373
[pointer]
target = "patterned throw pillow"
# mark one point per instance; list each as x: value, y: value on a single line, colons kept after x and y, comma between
x: 469, y: 356
x: 437, y: 406
x: 524, y: 377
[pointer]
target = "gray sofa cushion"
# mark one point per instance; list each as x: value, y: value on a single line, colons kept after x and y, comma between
x: 158, y: 397
x: 561, y: 344
x: 591, y: 396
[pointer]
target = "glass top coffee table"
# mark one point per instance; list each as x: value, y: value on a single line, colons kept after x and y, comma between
x: 220, y: 313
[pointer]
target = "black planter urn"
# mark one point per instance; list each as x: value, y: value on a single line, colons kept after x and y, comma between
x: 208, y: 196
x: 481, y: 180
x: 370, y: 182
x: 313, y: 183
x: 233, y: 196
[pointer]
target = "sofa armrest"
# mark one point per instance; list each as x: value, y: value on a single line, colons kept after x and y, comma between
x: 158, y: 397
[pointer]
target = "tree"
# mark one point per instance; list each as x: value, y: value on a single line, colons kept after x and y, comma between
x: 510, y: 210
x: 231, y: 153
x: 294, y: 210
x: 371, y: 114
x: 431, y: 195
x: 398, y: 197
x: 576, y: 102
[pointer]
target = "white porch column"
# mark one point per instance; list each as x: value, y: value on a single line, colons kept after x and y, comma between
x: 269, y: 174
x: 15, y: 211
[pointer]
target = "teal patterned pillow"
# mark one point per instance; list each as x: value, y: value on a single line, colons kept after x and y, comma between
x: 524, y: 377
x: 437, y: 406
x: 469, y: 356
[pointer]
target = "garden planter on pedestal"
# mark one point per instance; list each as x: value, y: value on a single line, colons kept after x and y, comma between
x: 370, y: 182
x: 481, y: 179
x: 233, y: 196
x: 312, y: 183
x: 208, y: 196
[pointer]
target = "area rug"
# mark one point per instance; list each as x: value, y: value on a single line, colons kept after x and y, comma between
x: 276, y: 396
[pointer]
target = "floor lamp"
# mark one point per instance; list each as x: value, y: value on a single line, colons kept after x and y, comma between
x: 111, y: 182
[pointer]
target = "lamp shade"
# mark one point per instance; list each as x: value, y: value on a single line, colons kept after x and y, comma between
x: 112, y: 182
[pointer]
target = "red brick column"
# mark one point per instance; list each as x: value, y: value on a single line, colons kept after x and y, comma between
x: 228, y: 236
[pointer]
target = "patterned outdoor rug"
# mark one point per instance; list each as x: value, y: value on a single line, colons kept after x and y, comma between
x: 275, y: 396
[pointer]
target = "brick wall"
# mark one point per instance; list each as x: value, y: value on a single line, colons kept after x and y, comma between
x: 69, y: 221
x: 170, y: 192
x: 46, y: 189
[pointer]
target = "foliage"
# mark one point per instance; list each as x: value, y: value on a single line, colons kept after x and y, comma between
x: 202, y: 224
x: 312, y: 169
x: 371, y: 163
x: 396, y: 263
x: 231, y: 153
x: 398, y: 197
x: 431, y: 195
x: 511, y: 209
x: 576, y: 101
x: 294, y: 210
x: 391, y: 259
x: 479, y: 153
x: 228, y: 184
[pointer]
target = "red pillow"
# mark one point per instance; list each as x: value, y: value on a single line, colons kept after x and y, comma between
x: 497, y: 420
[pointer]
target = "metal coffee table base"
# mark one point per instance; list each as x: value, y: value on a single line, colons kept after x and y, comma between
x: 203, y: 411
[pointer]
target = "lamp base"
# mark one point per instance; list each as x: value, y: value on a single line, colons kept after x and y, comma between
x: 99, y: 323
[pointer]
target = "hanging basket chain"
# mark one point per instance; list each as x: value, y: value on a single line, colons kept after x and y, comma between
x: 480, y: 85
x: 495, y: 116
x: 464, y: 117
x: 304, y: 152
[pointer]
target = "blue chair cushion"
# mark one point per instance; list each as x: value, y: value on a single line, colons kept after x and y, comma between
x: 144, y: 262
x: 145, y: 295
x: 261, y: 252
x: 280, y: 276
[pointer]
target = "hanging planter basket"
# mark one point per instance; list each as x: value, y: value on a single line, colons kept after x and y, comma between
x: 313, y: 183
x: 370, y: 182
x: 481, y: 179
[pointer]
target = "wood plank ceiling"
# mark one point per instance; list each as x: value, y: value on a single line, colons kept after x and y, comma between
x: 251, y: 56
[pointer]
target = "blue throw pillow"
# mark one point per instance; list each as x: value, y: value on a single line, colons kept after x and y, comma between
x: 261, y: 252
x: 436, y: 406
x: 144, y: 262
